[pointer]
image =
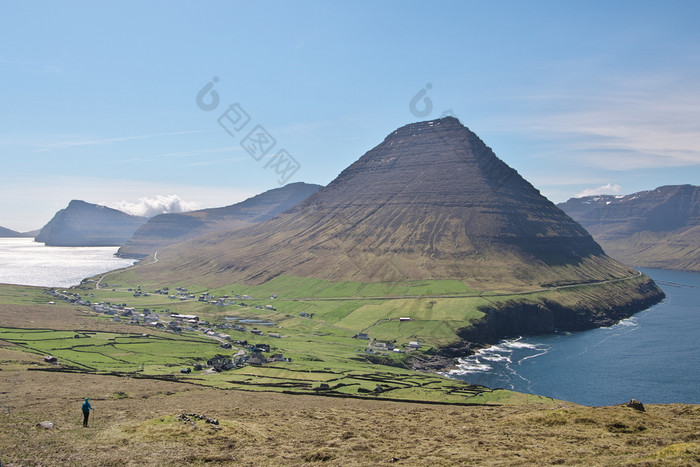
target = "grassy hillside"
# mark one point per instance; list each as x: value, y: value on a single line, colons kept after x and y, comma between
x: 322, y: 349
x: 665, y: 250
x: 140, y: 422
x: 316, y: 322
x: 336, y: 406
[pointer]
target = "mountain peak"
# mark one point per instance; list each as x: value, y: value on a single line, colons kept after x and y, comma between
x: 430, y: 201
x: 86, y: 224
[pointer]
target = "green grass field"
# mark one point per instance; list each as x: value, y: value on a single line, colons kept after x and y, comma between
x: 315, y: 319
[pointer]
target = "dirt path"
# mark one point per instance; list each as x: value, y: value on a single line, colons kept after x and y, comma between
x: 155, y: 260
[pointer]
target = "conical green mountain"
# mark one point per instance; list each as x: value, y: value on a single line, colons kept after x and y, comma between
x: 432, y: 201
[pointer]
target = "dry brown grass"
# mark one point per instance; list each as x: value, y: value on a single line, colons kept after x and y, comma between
x: 278, y: 429
x: 60, y: 317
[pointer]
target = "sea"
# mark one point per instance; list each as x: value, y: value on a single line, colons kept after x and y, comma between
x: 653, y: 357
x: 26, y: 262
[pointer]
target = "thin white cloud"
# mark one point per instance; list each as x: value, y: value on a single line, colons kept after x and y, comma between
x: 184, y: 154
x: 607, y: 189
x: 90, y: 142
x: 625, y: 123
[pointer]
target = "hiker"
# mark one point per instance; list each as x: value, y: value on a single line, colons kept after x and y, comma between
x: 86, y: 411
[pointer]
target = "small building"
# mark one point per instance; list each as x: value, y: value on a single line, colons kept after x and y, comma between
x: 414, y: 345
x: 257, y: 358
x: 361, y: 335
x: 184, y: 317
x: 405, y: 319
x: 220, y: 363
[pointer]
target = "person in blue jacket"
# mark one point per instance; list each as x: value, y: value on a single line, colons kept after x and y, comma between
x: 86, y: 411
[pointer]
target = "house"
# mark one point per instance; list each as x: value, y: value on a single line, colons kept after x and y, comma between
x: 185, y: 317
x: 384, y: 345
x: 274, y: 334
x: 414, y: 345
x: 263, y: 347
x: 270, y: 307
x: 278, y: 357
x: 50, y: 359
x: 257, y: 358
x: 220, y: 363
x: 361, y: 335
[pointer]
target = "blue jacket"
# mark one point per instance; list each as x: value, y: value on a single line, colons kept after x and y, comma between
x: 86, y: 406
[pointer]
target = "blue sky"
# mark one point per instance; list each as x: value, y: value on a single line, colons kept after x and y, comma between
x: 98, y: 99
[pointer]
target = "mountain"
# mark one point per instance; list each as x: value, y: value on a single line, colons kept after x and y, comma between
x: 657, y: 228
x: 85, y: 224
x: 432, y: 201
x: 11, y: 233
x: 167, y: 229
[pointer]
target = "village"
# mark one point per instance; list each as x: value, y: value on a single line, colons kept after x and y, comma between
x: 244, y: 353
x: 167, y: 321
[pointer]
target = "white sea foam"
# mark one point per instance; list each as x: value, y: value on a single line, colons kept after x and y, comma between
x: 468, y: 366
x: 501, y: 355
x: 629, y: 322
x: 495, y: 358
x: 516, y: 344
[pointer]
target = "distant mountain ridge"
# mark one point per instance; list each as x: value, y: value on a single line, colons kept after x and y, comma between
x: 657, y: 228
x: 86, y: 224
x: 167, y: 229
x: 8, y: 233
x: 431, y: 201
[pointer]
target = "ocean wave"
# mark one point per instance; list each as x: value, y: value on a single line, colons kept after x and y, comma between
x: 629, y: 322
x: 520, y: 345
x: 495, y: 358
x: 499, y: 358
x: 470, y: 367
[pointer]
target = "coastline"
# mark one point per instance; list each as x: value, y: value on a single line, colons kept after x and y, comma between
x: 503, y: 320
